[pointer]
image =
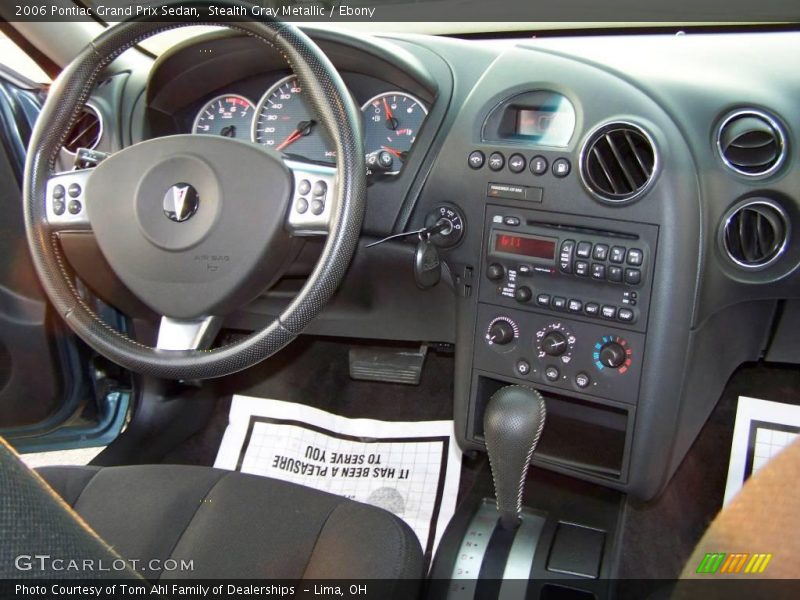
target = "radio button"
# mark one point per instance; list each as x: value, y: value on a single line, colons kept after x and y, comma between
x: 581, y: 268
x: 625, y: 315
x: 617, y: 254
x: 609, y: 312
x: 565, y: 256
x: 598, y: 271
x: 633, y: 276
x: 559, y: 303
x: 516, y: 163
x: 511, y: 221
x: 538, y: 165
x: 575, y: 306
x: 495, y: 271
x: 496, y: 161
x: 525, y: 269
x: 543, y: 299
x: 600, y: 252
x: 584, y: 249
x: 635, y: 257
x: 476, y: 159
x: 614, y: 273
x: 592, y: 309
x: 523, y: 294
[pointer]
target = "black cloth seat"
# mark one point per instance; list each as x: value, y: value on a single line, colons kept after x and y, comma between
x: 233, y: 525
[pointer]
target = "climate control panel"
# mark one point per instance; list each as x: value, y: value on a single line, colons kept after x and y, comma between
x: 570, y: 355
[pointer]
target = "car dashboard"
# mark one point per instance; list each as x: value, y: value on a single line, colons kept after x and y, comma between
x: 627, y: 211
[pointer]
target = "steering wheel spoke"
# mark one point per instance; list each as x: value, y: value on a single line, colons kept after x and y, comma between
x: 65, y: 200
x: 187, y: 334
x: 313, y: 201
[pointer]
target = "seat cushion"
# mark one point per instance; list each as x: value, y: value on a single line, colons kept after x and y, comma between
x: 234, y: 525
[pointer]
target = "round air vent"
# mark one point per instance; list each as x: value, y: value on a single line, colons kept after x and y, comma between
x: 755, y: 234
x: 86, y: 131
x: 618, y: 162
x: 751, y: 143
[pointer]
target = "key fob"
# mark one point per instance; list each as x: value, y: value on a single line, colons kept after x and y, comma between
x: 427, y: 266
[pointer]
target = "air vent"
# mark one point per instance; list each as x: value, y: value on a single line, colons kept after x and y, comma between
x: 751, y: 143
x: 85, y: 132
x: 618, y: 162
x: 756, y: 234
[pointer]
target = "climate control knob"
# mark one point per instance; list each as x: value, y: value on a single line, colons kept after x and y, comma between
x: 612, y: 355
x: 613, y: 352
x: 554, y: 343
x: 502, y: 331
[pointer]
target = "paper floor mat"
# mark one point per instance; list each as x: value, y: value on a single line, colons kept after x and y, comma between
x: 409, y: 468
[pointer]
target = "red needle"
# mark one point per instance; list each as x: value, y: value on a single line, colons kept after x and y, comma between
x: 293, y: 137
x: 397, y: 153
x: 389, y: 114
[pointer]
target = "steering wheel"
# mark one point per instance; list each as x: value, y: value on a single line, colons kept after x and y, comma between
x: 195, y: 226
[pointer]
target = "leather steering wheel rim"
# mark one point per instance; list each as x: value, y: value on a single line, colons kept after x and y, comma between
x: 330, y: 102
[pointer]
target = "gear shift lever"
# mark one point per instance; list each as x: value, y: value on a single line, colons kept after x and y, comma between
x: 512, y: 425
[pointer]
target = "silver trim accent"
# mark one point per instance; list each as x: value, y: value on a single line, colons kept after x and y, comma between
x: 214, y: 99
x: 646, y: 187
x: 99, y: 116
x: 776, y: 126
x: 187, y: 334
x: 520, y: 557
x: 305, y: 222
x: 65, y: 179
x: 787, y: 228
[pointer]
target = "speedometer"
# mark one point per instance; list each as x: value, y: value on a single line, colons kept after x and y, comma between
x: 230, y: 115
x: 284, y: 123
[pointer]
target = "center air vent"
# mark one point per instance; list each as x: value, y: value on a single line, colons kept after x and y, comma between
x: 618, y: 162
x: 85, y: 132
x: 751, y: 143
x: 756, y: 234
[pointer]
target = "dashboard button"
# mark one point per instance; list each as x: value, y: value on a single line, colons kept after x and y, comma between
x: 301, y: 206
x: 614, y: 273
x: 74, y: 190
x: 561, y: 167
x: 584, y: 249
x: 552, y: 373
x: 609, y: 312
x: 565, y: 256
x: 74, y: 207
x: 525, y: 269
x: 495, y: 271
x: 582, y: 380
x: 496, y: 161
x: 635, y: 257
x: 516, y: 163
x: 633, y: 276
x: 59, y: 207
x: 592, y: 309
x: 575, y: 306
x: 476, y: 159
x: 511, y: 221
x: 625, y: 315
x: 600, y: 252
x: 543, y: 299
x: 617, y: 254
x: 538, y: 165
x: 559, y: 303
x: 523, y: 367
x: 320, y: 188
x: 581, y: 268
x: 523, y: 294
x: 58, y: 192
x: 304, y: 187
x: 317, y: 207
x: 598, y: 271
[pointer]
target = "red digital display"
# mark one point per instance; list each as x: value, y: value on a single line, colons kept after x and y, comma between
x: 535, y: 247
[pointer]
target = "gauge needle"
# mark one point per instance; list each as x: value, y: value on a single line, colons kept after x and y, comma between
x: 397, y: 153
x: 303, y: 128
x: 391, y: 122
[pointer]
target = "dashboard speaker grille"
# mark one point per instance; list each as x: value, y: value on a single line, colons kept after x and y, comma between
x: 618, y: 162
x: 85, y: 132
x: 751, y: 143
x: 756, y: 234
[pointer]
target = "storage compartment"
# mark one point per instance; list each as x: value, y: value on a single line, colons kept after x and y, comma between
x: 579, y: 434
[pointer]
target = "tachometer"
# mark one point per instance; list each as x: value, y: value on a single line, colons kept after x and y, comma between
x: 391, y: 123
x: 230, y: 115
x: 284, y: 123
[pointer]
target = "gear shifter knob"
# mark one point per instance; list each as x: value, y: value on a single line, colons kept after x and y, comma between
x: 512, y: 424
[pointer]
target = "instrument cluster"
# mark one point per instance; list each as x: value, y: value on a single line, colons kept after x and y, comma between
x: 282, y: 120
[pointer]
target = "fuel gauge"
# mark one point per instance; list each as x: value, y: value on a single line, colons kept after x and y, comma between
x: 391, y: 123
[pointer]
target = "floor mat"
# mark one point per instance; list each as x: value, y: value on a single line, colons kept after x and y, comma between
x: 410, y: 468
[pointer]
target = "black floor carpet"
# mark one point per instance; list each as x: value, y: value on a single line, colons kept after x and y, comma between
x: 659, y: 536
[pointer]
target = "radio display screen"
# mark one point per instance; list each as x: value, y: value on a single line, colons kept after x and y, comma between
x: 534, y: 247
